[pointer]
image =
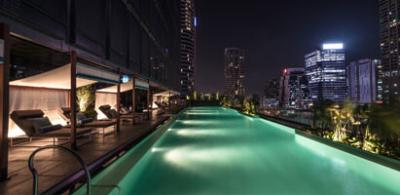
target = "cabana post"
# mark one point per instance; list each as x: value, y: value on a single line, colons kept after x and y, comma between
x: 4, y: 98
x: 149, y: 103
x: 133, y: 94
x: 118, y: 102
x: 73, y: 100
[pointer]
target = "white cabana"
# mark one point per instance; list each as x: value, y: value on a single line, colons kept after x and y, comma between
x: 163, y: 96
x: 108, y: 96
x: 139, y: 84
x: 49, y: 91
x: 58, y: 78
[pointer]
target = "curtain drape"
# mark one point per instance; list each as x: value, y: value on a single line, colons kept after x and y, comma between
x: 105, y: 99
x: 47, y: 100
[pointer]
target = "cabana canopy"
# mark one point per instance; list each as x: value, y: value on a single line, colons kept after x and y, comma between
x: 139, y: 84
x: 60, y: 78
x: 167, y: 93
x: 39, y: 93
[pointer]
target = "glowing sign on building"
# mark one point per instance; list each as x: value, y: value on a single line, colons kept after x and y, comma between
x: 195, y: 21
x: 327, y: 46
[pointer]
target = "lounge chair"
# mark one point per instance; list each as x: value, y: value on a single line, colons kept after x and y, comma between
x: 113, y: 114
x: 36, y: 125
x: 127, y: 112
x: 84, y: 121
x: 162, y: 108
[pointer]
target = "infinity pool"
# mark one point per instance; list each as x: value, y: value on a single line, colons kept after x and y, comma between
x: 210, y: 150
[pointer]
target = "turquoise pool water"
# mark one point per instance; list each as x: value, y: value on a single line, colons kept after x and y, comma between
x: 219, y: 151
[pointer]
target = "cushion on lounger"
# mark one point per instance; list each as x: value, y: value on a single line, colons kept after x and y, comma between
x: 24, y: 114
x: 38, y: 123
x: 82, y: 118
x: 86, y: 120
x: 49, y: 128
x: 22, y: 119
x: 66, y: 112
x: 125, y: 110
x: 106, y: 111
x: 113, y: 113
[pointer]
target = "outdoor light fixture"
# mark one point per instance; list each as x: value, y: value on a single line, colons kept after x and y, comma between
x: 327, y: 46
x: 195, y: 21
x: 125, y: 79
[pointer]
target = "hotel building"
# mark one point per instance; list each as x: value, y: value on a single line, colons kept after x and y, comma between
x: 326, y: 72
x: 293, y: 88
x: 188, y: 23
x: 389, y: 15
x: 364, y: 78
x: 82, y: 43
x: 234, y: 72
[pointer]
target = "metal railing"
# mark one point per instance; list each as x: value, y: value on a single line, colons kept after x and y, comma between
x: 35, y: 173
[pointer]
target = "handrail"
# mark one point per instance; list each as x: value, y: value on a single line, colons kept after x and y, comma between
x: 35, y: 174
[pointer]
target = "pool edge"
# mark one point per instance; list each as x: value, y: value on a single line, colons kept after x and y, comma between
x: 376, y: 158
x: 113, y: 155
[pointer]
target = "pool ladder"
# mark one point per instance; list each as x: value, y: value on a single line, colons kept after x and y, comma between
x: 81, y: 162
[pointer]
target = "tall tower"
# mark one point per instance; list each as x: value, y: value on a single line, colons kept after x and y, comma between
x: 389, y: 12
x: 364, y: 78
x: 234, y: 73
x: 326, y: 73
x: 188, y: 23
x: 293, y: 88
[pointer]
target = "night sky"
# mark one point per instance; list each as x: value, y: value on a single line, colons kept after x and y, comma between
x: 277, y: 34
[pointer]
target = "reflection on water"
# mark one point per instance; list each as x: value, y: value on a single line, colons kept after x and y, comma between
x: 219, y: 151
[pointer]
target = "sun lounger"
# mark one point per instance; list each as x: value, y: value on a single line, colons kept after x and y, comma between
x: 113, y: 114
x: 36, y: 125
x: 83, y: 121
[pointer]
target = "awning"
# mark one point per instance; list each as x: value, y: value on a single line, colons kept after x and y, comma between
x: 167, y: 93
x: 139, y: 84
x: 92, y: 73
x: 158, y: 86
x: 59, y: 78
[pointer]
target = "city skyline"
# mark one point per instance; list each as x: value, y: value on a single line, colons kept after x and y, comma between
x: 200, y: 97
x: 271, y: 46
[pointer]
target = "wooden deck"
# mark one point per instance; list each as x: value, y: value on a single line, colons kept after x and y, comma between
x: 55, y: 165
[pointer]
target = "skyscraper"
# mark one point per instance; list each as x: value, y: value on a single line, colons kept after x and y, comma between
x: 271, y: 89
x: 326, y: 73
x: 188, y: 46
x: 353, y: 89
x: 364, y: 81
x: 293, y: 88
x: 389, y: 13
x: 234, y: 73
x: 271, y: 94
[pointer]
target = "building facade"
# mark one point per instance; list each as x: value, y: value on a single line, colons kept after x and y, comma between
x: 326, y: 73
x: 138, y: 36
x: 270, y: 99
x: 234, y: 72
x: 188, y: 23
x: 293, y: 88
x: 271, y: 89
x: 389, y: 15
x: 353, y: 77
x: 364, y: 78
x: 104, y: 38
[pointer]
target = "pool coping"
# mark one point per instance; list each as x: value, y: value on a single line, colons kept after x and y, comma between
x: 301, y: 131
x: 98, y: 165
